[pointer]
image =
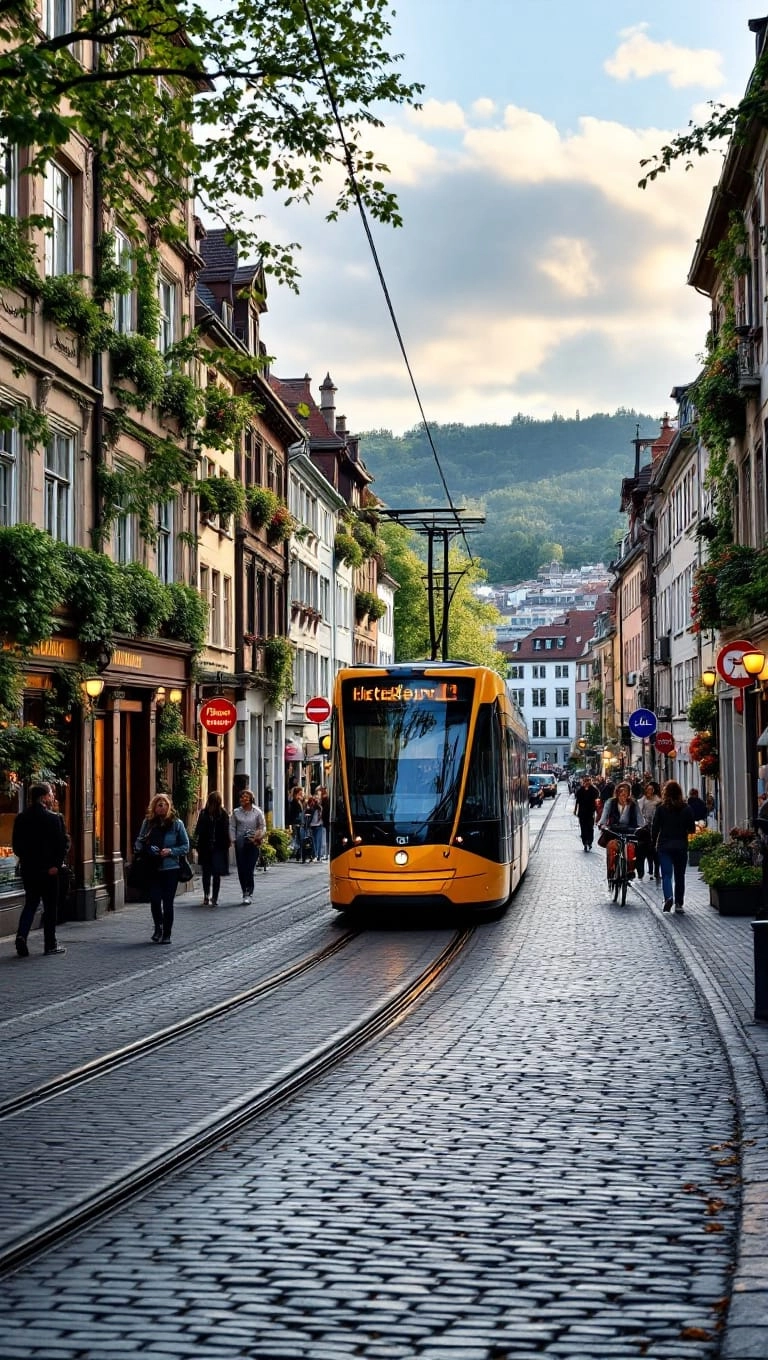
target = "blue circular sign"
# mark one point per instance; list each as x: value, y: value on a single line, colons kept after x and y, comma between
x: 642, y: 723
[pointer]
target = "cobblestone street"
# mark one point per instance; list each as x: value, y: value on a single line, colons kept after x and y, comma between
x: 543, y: 1159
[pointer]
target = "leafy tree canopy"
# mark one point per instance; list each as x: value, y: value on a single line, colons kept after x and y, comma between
x: 226, y: 100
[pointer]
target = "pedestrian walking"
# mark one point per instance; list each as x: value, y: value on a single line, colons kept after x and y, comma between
x: 646, y: 854
x: 697, y: 805
x: 39, y: 841
x: 162, y: 839
x: 296, y: 821
x: 212, y: 840
x: 673, y: 823
x: 247, y: 826
x: 325, y: 804
x: 585, y: 807
x: 315, y: 817
x: 620, y: 814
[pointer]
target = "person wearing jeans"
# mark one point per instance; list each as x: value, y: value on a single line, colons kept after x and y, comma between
x: 161, y: 840
x: 317, y: 832
x: 246, y: 828
x: 673, y: 823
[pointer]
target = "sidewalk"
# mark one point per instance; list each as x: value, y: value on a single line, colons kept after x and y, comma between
x: 718, y: 953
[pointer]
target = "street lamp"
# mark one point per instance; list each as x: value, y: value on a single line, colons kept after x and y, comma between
x: 709, y: 678
x: 754, y: 663
x: 91, y: 690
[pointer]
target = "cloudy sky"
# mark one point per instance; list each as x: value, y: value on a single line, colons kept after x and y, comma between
x: 531, y: 273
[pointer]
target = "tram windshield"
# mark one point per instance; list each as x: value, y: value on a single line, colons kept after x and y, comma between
x: 405, y: 746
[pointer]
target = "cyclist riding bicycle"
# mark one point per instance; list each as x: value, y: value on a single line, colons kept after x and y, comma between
x: 621, y: 816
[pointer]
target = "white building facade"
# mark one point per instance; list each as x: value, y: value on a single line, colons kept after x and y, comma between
x: 321, y: 613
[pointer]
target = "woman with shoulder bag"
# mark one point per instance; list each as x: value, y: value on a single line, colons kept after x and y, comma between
x: 620, y: 813
x: 163, y: 842
x: 212, y: 840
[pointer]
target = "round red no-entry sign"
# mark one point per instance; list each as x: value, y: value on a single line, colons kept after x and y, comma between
x: 318, y: 710
x: 218, y: 715
x: 665, y: 743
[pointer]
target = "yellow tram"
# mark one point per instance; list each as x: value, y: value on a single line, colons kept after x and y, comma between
x: 429, y: 787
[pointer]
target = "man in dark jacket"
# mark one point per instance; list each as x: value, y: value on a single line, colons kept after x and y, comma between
x: 697, y: 805
x: 584, y: 808
x: 40, y: 843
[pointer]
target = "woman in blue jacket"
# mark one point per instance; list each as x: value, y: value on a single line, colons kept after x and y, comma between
x: 162, y: 838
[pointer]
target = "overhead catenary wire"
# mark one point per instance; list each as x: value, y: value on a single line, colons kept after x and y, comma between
x: 379, y: 270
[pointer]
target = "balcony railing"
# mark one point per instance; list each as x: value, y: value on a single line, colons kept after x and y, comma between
x: 749, y: 368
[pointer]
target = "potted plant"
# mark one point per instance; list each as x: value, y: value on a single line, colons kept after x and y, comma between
x: 733, y: 879
x: 701, y: 841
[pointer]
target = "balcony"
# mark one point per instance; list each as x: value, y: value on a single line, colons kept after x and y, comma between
x: 748, y: 364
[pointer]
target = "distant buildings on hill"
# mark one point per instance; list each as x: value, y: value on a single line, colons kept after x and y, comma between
x: 536, y: 604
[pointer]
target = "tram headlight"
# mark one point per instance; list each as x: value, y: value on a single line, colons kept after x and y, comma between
x: 401, y: 857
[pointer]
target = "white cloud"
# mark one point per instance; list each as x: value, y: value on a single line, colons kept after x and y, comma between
x: 569, y: 263
x: 436, y: 113
x: 531, y: 274
x: 484, y: 108
x: 638, y: 57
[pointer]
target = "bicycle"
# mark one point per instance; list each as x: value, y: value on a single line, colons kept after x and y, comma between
x: 621, y: 867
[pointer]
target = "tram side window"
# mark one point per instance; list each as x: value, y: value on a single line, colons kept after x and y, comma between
x: 482, y: 800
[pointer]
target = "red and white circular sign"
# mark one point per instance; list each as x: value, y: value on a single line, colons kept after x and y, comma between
x: 218, y: 715
x: 729, y: 666
x: 665, y: 743
x: 318, y: 710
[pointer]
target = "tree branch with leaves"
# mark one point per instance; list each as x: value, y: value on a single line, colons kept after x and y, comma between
x: 227, y: 106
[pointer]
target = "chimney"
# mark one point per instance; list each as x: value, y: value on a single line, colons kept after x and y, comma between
x: 341, y: 425
x: 327, y: 403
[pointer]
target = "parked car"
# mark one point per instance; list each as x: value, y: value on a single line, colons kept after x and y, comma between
x: 535, y: 791
x: 549, y: 785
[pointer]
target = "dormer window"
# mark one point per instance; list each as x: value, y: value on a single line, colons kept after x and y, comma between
x: 227, y: 314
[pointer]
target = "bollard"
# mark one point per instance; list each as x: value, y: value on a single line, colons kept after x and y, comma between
x: 760, y: 937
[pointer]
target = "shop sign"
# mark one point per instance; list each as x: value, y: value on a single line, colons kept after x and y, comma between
x: 218, y: 715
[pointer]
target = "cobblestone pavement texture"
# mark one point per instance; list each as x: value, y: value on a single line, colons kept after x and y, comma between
x: 542, y: 1159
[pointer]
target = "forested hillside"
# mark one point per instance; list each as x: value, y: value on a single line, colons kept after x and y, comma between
x: 548, y: 487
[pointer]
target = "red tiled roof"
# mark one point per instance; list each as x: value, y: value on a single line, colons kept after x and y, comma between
x: 295, y: 392
x: 576, y: 628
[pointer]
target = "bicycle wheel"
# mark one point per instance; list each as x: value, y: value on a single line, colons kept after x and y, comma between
x: 624, y: 888
x: 616, y: 885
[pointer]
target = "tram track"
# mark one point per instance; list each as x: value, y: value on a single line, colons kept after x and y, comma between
x: 98, y: 1067
x: 196, y: 1143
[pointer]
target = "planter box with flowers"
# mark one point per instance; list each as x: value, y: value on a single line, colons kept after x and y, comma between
x: 700, y: 842
x: 733, y: 878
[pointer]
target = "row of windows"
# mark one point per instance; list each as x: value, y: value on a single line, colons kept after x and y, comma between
x: 216, y: 590
x: 539, y: 727
x: 305, y: 584
x: 548, y: 644
x: 517, y: 671
x: 311, y: 675
x: 62, y: 206
x: 680, y: 510
x: 674, y: 604
x: 539, y: 698
x: 60, y: 498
